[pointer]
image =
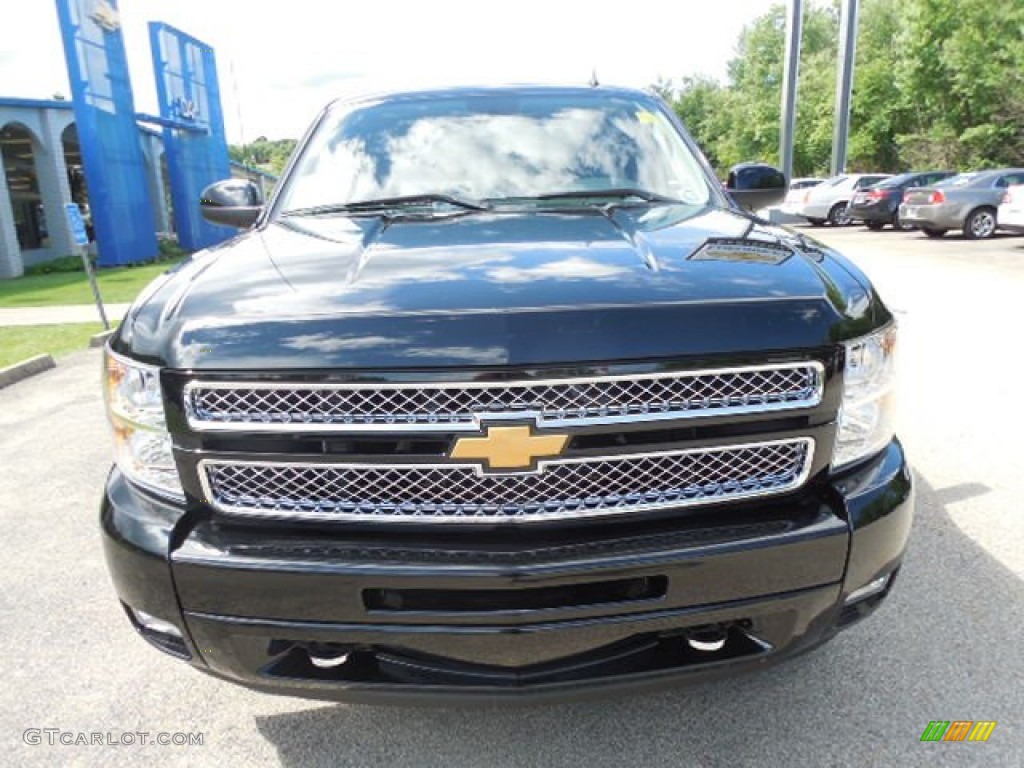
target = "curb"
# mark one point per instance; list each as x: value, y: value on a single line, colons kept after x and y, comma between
x: 12, y: 374
x: 100, y: 338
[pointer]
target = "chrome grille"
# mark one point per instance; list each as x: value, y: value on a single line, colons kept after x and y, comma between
x: 455, y: 407
x: 560, y: 489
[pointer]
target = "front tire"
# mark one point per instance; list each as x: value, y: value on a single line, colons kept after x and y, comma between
x: 839, y: 215
x: 934, y: 232
x: 980, y: 224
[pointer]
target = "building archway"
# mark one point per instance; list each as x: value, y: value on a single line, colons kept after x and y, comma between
x: 76, y: 173
x: 19, y: 148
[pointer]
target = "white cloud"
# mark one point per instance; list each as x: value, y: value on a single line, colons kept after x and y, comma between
x: 290, y: 58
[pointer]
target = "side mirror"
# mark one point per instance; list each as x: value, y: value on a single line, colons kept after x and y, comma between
x: 756, y: 185
x: 232, y: 202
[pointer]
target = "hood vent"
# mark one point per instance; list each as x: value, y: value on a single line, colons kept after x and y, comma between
x: 738, y: 249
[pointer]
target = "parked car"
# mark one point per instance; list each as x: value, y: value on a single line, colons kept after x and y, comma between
x: 1010, y: 215
x: 879, y: 205
x: 416, y: 433
x: 797, y: 192
x: 830, y: 200
x: 968, y: 201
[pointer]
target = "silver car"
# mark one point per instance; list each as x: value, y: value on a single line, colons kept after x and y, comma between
x: 830, y: 200
x: 968, y: 201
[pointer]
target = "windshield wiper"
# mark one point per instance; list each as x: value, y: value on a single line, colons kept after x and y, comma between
x: 620, y: 193
x: 386, y: 203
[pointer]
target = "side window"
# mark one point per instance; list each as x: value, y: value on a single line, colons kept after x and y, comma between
x: 1003, y: 182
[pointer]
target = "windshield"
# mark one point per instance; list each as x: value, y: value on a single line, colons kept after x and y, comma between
x: 960, y: 180
x: 835, y: 181
x: 896, y: 181
x: 494, y: 146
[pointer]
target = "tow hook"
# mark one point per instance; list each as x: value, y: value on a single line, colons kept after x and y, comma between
x: 707, y: 639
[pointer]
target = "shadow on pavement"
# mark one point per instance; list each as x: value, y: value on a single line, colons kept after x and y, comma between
x: 946, y: 646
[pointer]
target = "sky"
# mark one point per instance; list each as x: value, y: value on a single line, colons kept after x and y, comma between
x: 280, y: 62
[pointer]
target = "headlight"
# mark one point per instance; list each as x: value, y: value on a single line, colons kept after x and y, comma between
x: 142, y: 445
x: 866, y: 418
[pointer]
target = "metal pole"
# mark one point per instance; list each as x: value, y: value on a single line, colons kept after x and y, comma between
x: 790, y: 78
x: 844, y: 83
x: 95, y: 288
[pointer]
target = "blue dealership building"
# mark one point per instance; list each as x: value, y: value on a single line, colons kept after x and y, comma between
x: 41, y: 171
x: 135, y: 176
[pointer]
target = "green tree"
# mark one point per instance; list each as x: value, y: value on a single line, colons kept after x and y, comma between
x: 937, y: 84
x: 267, y: 155
x: 700, y: 103
x: 962, y: 61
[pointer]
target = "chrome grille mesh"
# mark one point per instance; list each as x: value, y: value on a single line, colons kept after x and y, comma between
x: 565, y: 488
x: 458, y: 406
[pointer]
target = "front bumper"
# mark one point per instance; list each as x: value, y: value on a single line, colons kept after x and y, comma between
x: 419, y: 621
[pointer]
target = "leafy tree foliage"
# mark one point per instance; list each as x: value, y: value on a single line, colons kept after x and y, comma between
x: 937, y: 84
x: 267, y: 155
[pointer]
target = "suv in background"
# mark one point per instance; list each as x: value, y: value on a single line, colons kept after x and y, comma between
x: 879, y: 205
x: 968, y: 201
x: 830, y: 200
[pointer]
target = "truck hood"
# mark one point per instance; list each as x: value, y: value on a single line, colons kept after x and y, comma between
x: 505, y: 288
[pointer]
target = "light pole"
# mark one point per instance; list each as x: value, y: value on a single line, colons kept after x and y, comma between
x: 790, y: 78
x: 844, y: 84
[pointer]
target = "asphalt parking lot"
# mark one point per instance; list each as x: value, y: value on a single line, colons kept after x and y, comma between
x: 946, y: 646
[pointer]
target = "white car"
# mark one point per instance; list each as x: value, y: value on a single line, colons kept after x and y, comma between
x: 1010, y: 215
x: 797, y: 192
x: 829, y: 201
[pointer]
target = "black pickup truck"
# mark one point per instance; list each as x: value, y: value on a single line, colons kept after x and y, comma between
x: 501, y: 394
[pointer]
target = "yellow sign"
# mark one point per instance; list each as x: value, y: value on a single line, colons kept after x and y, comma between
x: 509, y: 447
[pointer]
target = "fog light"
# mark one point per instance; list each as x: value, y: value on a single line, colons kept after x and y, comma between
x: 869, y: 589
x: 151, y: 623
x: 158, y: 632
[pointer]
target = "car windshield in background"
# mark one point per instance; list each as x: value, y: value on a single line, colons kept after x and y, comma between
x: 495, y: 147
x: 896, y: 181
x: 960, y: 180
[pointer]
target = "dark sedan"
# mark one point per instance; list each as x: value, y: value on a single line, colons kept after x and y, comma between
x: 880, y: 204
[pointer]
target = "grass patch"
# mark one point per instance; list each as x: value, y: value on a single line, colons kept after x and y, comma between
x: 21, y: 342
x: 117, y: 285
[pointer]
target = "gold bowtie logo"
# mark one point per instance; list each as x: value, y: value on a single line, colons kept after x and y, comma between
x: 509, y: 448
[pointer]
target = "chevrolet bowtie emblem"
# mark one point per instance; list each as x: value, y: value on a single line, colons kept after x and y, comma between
x: 509, y: 448
x: 106, y: 16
